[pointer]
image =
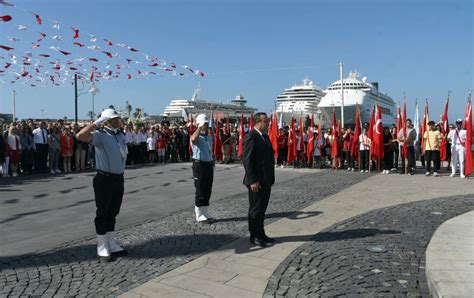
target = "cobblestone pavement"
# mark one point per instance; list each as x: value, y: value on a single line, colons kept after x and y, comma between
x: 337, y: 262
x: 156, y: 246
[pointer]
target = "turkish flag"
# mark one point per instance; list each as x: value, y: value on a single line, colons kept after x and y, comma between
x: 404, y: 126
x: 190, y: 132
x: 377, y: 141
x: 424, y: 127
x: 469, y: 167
x: 355, y: 141
x: 444, y: 130
x: 310, y: 148
x: 251, y: 122
x: 217, y: 142
x: 300, y: 126
x: 334, y: 149
x: 241, y: 136
x: 274, y: 135
x: 292, y: 142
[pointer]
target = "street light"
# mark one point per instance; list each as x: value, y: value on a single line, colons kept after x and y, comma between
x: 92, y: 90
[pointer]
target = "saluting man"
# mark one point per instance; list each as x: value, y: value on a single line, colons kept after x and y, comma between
x: 110, y: 154
x: 259, y: 165
x: 203, y: 168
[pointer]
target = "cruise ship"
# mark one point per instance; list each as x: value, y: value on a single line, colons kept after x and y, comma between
x: 299, y: 99
x: 359, y: 91
x: 184, y: 108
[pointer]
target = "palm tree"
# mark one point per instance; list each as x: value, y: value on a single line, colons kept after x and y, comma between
x: 128, y: 107
x: 138, y: 113
x: 91, y: 115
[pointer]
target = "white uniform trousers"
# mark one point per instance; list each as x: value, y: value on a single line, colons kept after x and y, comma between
x: 458, y: 154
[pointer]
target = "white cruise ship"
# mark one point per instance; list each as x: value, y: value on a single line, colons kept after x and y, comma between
x: 356, y: 91
x: 300, y: 99
x: 183, y: 108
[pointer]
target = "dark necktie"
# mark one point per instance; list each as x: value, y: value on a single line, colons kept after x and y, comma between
x: 44, y: 137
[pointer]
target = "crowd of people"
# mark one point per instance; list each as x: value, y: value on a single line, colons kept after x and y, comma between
x: 28, y: 147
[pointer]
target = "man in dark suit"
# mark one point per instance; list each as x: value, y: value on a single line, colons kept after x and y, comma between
x: 259, y: 165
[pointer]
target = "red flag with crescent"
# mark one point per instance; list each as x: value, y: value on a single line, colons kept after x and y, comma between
x: 469, y: 168
x: 377, y: 148
x: 292, y: 142
x: 274, y: 135
x: 310, y: 148
x: 355, y: 141
x: 443, y: 149
x: 241, y: 136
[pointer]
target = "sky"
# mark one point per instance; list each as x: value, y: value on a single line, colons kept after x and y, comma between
x: 258, y: 48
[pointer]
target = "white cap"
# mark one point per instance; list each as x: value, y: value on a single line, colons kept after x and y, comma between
x: 110, y: 113
x: 459, y: 120
x: 201, y: 119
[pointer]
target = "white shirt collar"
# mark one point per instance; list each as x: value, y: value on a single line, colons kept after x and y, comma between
x: 258, y: 131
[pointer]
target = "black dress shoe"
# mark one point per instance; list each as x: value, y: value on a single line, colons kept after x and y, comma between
x: 258, y: 241
x: 105, y: 259
x: 268, y: 239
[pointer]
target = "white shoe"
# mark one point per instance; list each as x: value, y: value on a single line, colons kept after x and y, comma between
x: 103, y: 250
x: 427, y: 173
x: 114, y: 248
x: 348, y: 169
x: 362, y: 171
x: 387, y: 172
x: 452, y: 175
x: 366, y: 171
x: 200, y: 217
x: 57, y: 171
x: 462, y: 176
x: 205, y: 211
x: 14, y: 174
x: 435, y: 174
x: 282, y: 166
x: 352, y: 170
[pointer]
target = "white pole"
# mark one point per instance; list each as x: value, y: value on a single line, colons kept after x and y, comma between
x: 341, y: 73
x: 14, y: 105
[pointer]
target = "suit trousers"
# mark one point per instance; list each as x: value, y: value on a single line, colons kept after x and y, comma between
x: 203, y: 174
x: 108, y: 190
x: 258, y: 206
x: 411, y: 160
x: 41, y: 158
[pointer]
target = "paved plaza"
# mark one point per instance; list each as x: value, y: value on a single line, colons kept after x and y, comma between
x: 337, y: 233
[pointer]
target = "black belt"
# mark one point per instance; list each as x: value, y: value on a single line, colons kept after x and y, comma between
x: 204, y: 162
x: 109, y: 174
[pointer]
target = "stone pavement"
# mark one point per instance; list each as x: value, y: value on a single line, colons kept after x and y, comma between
x: 450, y: 258
x: 159, y: 245
x: 62, y: 207
x: 239, y: 270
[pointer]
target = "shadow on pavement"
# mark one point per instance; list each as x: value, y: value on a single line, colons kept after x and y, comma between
x: 171, y: 246
x: 295, y: 215
x: 321, y: 237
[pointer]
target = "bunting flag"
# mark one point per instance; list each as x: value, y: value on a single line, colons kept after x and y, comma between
x: 310, y: 147
x: 291, y: 142
x: 241, y: 136
x: 377, y: 141
x: 469, y: 167
x: 404, y: 127
x: 355, y: 141
x: 424, y: 127
x: 443, y: 145
x: 217, y: 150
x: 45, y: 42
x: 274, y: 135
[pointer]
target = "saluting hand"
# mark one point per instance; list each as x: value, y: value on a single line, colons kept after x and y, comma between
x: 255, y: 187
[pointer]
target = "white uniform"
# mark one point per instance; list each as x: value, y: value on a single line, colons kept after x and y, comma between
x: 458, y: 149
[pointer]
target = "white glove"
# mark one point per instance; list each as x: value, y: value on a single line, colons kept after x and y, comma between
x: 101, y: 120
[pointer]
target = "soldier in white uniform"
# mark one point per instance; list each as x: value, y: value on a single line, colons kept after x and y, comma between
x: 457, y: 137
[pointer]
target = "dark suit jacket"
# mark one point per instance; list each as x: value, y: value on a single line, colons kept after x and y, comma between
x: 258, y: 160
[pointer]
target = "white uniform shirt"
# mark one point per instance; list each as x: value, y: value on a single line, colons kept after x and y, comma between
x: 40, y: 136
x: 143, y: 137
x: 461, y: 141
x: 136, y: 138
x: 128, y: 137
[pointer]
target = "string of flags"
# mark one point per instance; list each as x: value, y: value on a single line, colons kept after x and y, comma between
x: 48, y: 52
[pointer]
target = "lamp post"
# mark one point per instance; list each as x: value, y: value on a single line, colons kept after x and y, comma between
x: 92, y: 90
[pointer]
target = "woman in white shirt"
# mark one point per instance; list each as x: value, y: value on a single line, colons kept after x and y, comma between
x: 151, y: 146
x: 364, y: 146
x: 15, y: 147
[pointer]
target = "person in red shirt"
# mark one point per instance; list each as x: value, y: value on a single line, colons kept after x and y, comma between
x: 160, y: 148
x: 347, y: 138
x: 282, y: 147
